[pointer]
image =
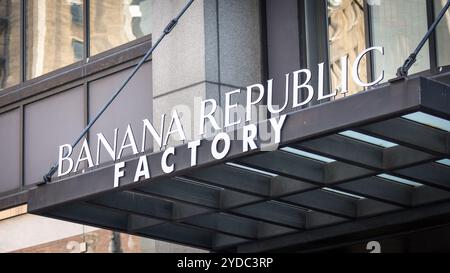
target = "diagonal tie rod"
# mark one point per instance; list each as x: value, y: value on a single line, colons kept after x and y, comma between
x: 403, y: 70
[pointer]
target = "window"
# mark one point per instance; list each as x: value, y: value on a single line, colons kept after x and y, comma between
x: 49, y: 33
x: 9, y: 43
x: 76, y: 9
x: 305, y: 33
x: 347, y: 37
x: 442, y: 35
x: 396, y: 25
x: 114, y: 22
x: 40, y: 36
x: 399, y: 26
x: 55, y: 30
x: 78, y: 49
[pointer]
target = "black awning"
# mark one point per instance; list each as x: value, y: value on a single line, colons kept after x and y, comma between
x: 370, y: 163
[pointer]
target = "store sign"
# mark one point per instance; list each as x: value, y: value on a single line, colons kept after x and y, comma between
x: 297, y: 83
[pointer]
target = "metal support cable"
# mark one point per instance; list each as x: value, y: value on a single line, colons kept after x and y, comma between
x: 47, y: 177
x: 403, y: 70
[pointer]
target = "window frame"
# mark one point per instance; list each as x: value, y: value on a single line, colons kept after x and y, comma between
x: 320, y: 12
x: 24, y: 79
x: 432, y: 54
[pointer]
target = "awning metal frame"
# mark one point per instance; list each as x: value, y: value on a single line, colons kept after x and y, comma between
x: 222, y: 207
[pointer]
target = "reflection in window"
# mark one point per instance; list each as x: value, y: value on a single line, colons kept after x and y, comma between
x: 346, y: 38
x: 76, y: 10
x: 399, y: 26
x: 51, y: 27
x: 115, y: 22
x: 78, y: 49
x: 9, y: 43
x: 442, y: 34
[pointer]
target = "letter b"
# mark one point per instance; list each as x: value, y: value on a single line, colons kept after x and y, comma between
x: 305, y: 85
x: 64, y: 157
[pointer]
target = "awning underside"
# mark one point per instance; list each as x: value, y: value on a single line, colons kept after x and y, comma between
x: 355, y: 175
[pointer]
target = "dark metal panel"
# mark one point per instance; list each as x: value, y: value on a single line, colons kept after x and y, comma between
x: 13, y: 200
x: 238, y: 226
x: 233, y: 178
x: 226, y: 200
x: 401, y: 157
x: 149, y: 206
x: 137, y: 204
x: 410, y: 134
x: 138, y: 222
x: 266, y: 230
x: 435, y: 100
x: 10, y: 151
x: 317, y: 219
x: 286, y: 164
x: 354, y: 230
x: 433, y: 174
x: 281, y: 186
x: 76, y: 188
x: 337, y: 172
x: 316, y: 44
x: 150, y: 213
x: 229, y: 201
x: 45, y: 131
x: 222, y: 241
x: 180, y: 234
x: 183, y: 190
x: 91, y: 215
x: 182, y: 211
x: 343, y: 148
x: 232, y: 199
x: 275, y: 213
x: 380, y: 189
x: 426, y: 195
x: 283, y: 57
x: 369, y: 207
x: 364, y: 154
x: 339, y: 205
x: 227, y: 224
x: 218, y: 222
x: 326, y: 202
x: 188, y: 191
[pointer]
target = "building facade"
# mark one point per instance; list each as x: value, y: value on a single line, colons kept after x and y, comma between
x: 345, y: 158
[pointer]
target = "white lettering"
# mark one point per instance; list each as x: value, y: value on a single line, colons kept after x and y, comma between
x: 208, y: 116
x: 88, y: 157
x: 64, y: 157
x: 193, y: 145
x: 355, y: 70
x: 228, y: 107
x: 321, y: 95
x: 298, y: 86
x: 249, y: 136
x: 111, y: 151
x: 178, y: 128
x: 167, y: 168
x: 128, y: 136
x: 118, y: 173
x: 277, y: 126
x: 251, y: 102
x: 214, y: 145
x: 142, y: 169
x: 270, y: 96
x: 156, y: 137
